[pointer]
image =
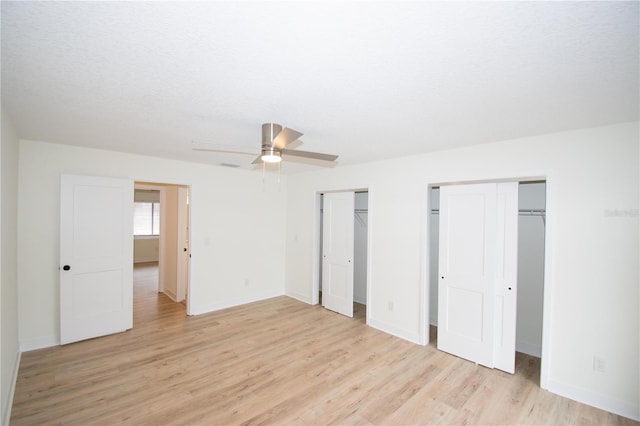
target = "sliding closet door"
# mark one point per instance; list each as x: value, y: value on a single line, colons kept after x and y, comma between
x: 478, y: 273
x: 506, y: 296
x: 466, y: 271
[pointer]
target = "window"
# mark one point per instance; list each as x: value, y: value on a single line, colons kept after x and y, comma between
x: 146, y: 218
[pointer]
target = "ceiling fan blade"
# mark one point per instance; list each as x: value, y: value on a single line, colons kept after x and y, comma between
x: 211, y: 147
x: 258, y: 160
x: 285, y: 137
x: 308, y: 154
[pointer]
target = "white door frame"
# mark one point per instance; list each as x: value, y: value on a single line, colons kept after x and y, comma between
x: 160, y: 184
x: 317, y: 237
x: 547, y: 285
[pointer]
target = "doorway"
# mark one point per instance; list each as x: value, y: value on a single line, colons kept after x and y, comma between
x: 530, y: 274
x: 161, y: 259
x: 357, y: 230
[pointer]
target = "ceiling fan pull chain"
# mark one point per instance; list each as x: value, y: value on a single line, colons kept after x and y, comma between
x: 279, y: 166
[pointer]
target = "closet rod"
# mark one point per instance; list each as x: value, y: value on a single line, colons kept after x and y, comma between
x: 532, y: 212
x: 523, y: 212
x: 355, y: 210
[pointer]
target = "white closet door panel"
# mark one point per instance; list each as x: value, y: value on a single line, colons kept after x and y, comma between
x: 337, y: 258
x: 466, y: 271
x: 506, y: 296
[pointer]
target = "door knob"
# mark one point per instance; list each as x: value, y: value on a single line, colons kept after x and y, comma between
x: 66, y: 267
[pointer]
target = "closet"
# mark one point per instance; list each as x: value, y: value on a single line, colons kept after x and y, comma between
x: 530, y: 260
x: 531, y: 248
x: 357, y: 218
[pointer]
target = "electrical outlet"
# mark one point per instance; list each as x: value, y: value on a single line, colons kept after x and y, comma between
x: 246, y: 282
x: 598, y: 364
x: 390, y: 306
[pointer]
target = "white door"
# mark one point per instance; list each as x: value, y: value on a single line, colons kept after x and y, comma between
x: 477, y: 263
x: 506, y: 296
x: 183, y: 244
x: 466, y: 265
x: 337, y: 257
x: 96, y: 257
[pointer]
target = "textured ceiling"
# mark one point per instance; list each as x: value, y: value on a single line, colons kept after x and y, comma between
x: 364, y: 80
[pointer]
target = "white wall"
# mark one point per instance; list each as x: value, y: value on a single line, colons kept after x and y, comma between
x: 591, y: 294
x: 10, y: 354
x: 169, y: 234
x: 145, y: 249
x: 237, y: 229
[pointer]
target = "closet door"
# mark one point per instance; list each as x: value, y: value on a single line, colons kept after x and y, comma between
x: 337, y: 256
x: 478, y: 273
x: 506, y: 296
x: 466, y: 271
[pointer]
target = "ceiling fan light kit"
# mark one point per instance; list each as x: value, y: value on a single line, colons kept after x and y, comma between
x: 270, y: 155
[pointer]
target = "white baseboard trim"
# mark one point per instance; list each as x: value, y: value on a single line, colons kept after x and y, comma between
x: 9, y: 401
x: 299, y: 296
x: 360, y: 300
x: 171, y: 295
x: 395, y: 331
x: 603, y: 402
x: 39, y: 343
x: 529, y: 349
x: 237, y: 302
x: 382, y: 326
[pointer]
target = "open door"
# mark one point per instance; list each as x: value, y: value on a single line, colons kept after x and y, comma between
x: 96, y: 257
x: 337, y: 256
x: 477, y: 272
x: 183, y: 244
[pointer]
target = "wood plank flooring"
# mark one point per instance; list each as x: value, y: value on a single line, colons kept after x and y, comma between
x: 277, y: 361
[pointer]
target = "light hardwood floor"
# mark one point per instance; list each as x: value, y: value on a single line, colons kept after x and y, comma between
x: 277, y: 361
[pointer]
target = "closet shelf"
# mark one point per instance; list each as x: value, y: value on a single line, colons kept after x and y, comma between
x: 521, y: 212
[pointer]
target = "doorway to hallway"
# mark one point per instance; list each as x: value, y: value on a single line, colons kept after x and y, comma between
x: 167, y: 244
x: 148, y: 303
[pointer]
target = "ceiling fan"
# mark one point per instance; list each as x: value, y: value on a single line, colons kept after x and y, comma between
x: 275, y: 138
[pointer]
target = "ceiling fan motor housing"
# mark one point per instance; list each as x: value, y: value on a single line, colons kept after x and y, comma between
x: 269, y: 133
